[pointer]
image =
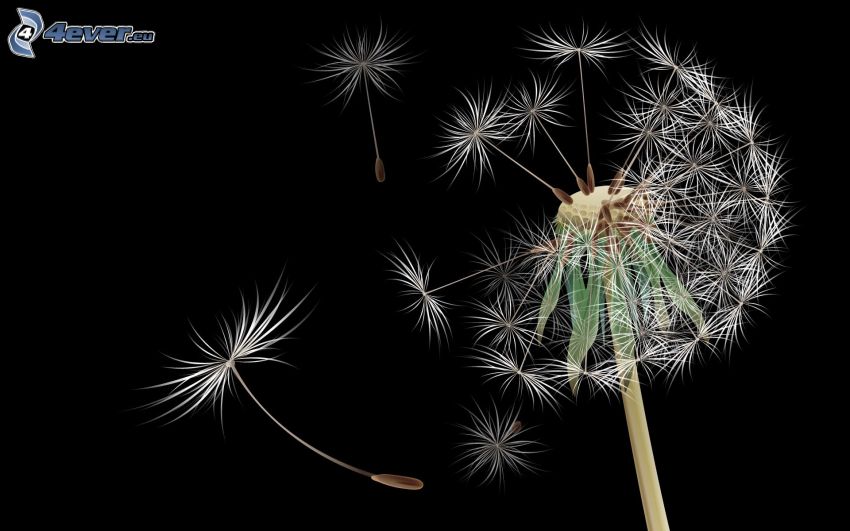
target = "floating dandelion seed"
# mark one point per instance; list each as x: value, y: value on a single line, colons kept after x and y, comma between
x: 561, y: 48
x: 366, y: 61
x: 494, y: 444
x: 511, y: 369
x: 248, y: 338
x: 414, y: 277
x: 646, y: 275
x: 501, y: 278
x: 473, y: 131
x: 503, y: 325
x: 532, y: 106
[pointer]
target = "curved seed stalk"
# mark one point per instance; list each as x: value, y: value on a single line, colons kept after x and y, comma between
x: 390, y: 480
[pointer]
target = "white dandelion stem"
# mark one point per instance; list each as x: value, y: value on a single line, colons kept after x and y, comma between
x: 297, y: 438
x: 497, y: 148
x: 650, y: 487
x: 371, y: 118
x: 555, y: 145
x: 479, y: 272
x: 584, y: 108
x: 633, y: 156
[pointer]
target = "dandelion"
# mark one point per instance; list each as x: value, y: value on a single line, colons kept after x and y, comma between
x: 494, y: 444
x: 368, y: 61
x: 248, y: 338
x: 643, y: 276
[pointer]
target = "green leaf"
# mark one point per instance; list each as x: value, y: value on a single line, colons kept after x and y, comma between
x: 575, y: 285
x: 550, y: 300
x: 584, y: 314
x: 678, y: 293
x: 553, y: 288
x: 681, y: 298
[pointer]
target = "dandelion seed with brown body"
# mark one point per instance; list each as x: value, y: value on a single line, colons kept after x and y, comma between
x: 249, y: 338
x: 370, y: 61
x: 495, y: 444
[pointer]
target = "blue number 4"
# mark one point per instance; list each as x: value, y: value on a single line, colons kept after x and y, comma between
x: 56, y: 32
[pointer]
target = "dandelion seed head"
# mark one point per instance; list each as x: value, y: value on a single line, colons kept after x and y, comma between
x: 248, y: 337
x: 503, y: 324
x: 516, y: 372
x: 495, y: 444
x: 665, y: 267
x: 502, y: 269
x: 471, y: 130
x: 534, y: 105
x: 414, y: 277
x: 355, y: 60
x: 561, y: 46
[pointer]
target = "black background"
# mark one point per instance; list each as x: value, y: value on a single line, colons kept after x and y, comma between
x: 147, y: 185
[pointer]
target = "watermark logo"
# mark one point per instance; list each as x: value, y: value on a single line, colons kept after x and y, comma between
x: 24, y: 34
x: 20, y: 40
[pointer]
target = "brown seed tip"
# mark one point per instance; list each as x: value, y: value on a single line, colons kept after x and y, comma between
x: 516, y: 426
x: 601, y: 228
x: 626, y: 201
x: 606, y: 213
x: 591, y: 179
x: 582, y: 185
x: 616, y: 183
x: 562, y: 196
x: 398, y: 482
x: 379, y: 170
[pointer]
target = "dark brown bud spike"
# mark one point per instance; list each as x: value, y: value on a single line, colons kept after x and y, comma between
x: 591, y: 179
x: 562, y: 196
x: 616, y: 183
x: 398, y: 482
x: 626, y: 201
x: 379, y: 170
x: 582, y: 186
x: 601, y: 228
x: 606, y: 213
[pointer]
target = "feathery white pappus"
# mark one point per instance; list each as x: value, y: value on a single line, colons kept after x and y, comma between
x: 414, y: 278
x: 495, y: 444
x: 364, y: 59
x: 250, y: 336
